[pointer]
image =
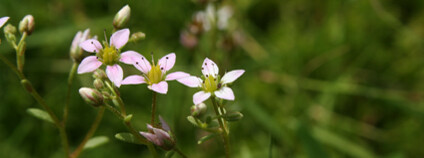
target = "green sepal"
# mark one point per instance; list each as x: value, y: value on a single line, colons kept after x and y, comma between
x: 95, y: 142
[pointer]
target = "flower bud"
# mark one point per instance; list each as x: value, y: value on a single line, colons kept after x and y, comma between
x: 98, y: 83
x: 76, y: 52
x: 137, y: 36
x: 9, y: 31
x: 27, y: 24
x: 100, y: 74
x: 233, y: 116
x: 188, y: 40
x: 91, y: 96
x: 122, y: 17
x: 198, y: 109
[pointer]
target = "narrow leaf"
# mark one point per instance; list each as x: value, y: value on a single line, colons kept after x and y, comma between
x: 96, y: 141
x: 40, y: 114
x: 205, y: 138
x: 127, y: 137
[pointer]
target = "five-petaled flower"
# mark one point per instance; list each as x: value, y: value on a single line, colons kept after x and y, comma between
x: 160, y: 137
x: 3, y: 20
x: 212, y: 84
x: 155, y: 75
x: 109, y: 55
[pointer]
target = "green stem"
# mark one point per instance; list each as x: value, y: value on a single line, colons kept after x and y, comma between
x: 179, y: 152
x: 30, y: 89
x: 68, y: 93
x: 223, y: 128
x: 90, y: 132
x: 20, y: 54
x: 153, y: 109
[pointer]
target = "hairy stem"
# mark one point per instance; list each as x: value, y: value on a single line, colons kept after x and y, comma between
x: 68, y: 93
x: 223, y: 128
x: 153, y: 108
x: 90, y: 132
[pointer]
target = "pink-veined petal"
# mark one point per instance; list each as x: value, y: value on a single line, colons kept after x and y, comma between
x: 209, y: 68
x: 225, y: 93
x: 201, y: 96
x: 133, y: 79
x: 176, y: 75
x: 3, y: 20
x: 167, y: 61
x: 76, y: 39
x: 165, y: 125
x: 115, y: 74
x: 89, y: 64
x: 191, y: 81
x: 161, y: 87
x: 143, y: 65
x: 120, y: 38
x: 151, y: 137
x: 91, y: 45
x: 130, y: 57
x: 231, y: 76
x: 161, y: 134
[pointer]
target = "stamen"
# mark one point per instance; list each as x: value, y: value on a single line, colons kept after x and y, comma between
x: 104, y: 31
x: 153, y: 61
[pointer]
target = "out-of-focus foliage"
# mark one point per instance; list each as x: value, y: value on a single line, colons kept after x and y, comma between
x: 323, y: 78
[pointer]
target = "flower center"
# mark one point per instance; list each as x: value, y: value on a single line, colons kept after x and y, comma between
x: 155, y: 74
x: 210, y: 84
x: 109, y: 55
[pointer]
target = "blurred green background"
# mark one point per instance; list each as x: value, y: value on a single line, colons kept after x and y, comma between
x: 323, y: 78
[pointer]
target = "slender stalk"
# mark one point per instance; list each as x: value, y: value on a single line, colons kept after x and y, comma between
x: 68, y: 93
x: 179, y: 152
x: 224, y: 129
x: 90, y: 132
x: 153, y: 108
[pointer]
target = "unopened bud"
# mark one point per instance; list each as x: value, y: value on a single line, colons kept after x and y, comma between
x: 91, y: 96
x: 76, y: 52
x: 98, y: 83
x: 198, y: 109
x: 137, y: 36
x: 9, y: 31
x: 27, y: 24
x: 233, y: 116
x: 100, y: 74
x: 122, y: 17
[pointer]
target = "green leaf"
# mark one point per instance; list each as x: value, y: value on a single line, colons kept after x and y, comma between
x: 96, y: 141
x: 127, y: 137
x: 40, y: 114
x: 205, y: 138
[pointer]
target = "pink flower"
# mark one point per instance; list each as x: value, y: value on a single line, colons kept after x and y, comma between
x: 155, y: 75
x: 160, y: 137
x: 3, y: 20
x: 109, y: 55
x: 212, y: 83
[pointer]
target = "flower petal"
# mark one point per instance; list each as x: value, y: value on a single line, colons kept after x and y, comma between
x: 161, y: 134
x: 151, y: 137
x: 120, y: 38
x: 225, y: 93
x: 165, y: 125
x: 201, y: 96
x: 161, y: 87
x: 176, y: 75
x: 142, y: 64
x: 167, y: 62
x: 209, y: 68
x: 89, y: 64
x: 231, y: 76
x: 130, y: 57
x: 133, y: 79
x: 91, y: 45
x: 76, y: 39
x: 3, y: 20
x: 191, y: 81
x: 115, y: 74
